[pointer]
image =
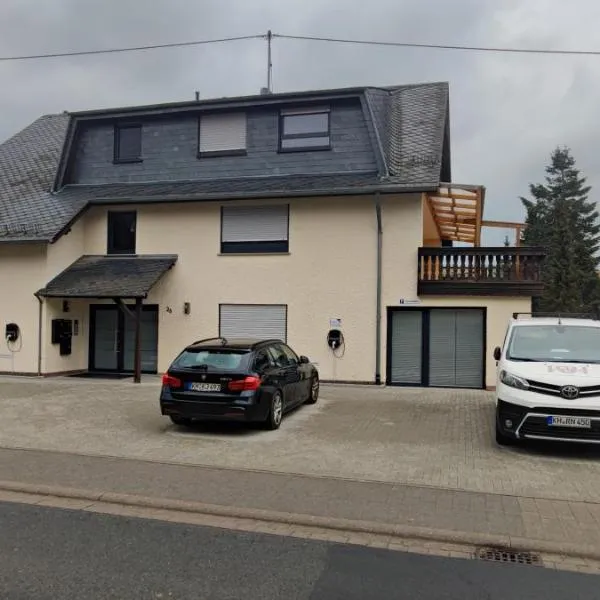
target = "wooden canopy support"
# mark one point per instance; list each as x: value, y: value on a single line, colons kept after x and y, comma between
x: 518, y: 227
x: 137, y: 321
x: 457, y: 211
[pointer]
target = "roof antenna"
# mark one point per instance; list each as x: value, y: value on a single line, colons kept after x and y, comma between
x: 269, y: 63
x: 197, y: 95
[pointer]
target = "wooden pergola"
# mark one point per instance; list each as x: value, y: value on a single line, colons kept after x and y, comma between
x: 457, y: 210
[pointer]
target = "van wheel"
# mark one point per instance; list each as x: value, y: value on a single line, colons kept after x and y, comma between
x: 504, y: 440
x: 275, y: 412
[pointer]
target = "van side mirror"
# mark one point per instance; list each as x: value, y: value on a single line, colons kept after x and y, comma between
x: 497, y: 353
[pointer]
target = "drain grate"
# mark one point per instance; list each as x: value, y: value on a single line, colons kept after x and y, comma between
x: 506, y: 555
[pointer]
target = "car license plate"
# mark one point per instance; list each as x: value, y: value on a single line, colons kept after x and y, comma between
x: 581, y: 422
x: 197, y: 386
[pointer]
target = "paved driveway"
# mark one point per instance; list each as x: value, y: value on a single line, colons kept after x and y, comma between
x: 430, y: 437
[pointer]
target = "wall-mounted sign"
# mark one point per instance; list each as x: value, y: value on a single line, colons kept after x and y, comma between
x: 335, y: 323
x: 405, y: 302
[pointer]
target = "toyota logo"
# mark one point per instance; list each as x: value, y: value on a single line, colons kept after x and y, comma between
x: 570, y: 392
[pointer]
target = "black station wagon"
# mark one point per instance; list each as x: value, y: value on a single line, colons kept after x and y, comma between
x: 237, y: 379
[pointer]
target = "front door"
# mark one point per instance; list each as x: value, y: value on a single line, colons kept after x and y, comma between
x: 112, y: 339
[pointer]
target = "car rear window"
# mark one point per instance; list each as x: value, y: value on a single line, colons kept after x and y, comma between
x: 217, y: 359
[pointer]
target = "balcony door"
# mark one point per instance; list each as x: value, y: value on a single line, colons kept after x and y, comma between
x: 112, y: 339
x: 436, y: 347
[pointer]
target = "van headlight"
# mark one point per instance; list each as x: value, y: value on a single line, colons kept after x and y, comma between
x: 513, y: 381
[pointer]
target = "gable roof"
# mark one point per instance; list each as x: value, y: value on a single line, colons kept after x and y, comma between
x: 407, y: 126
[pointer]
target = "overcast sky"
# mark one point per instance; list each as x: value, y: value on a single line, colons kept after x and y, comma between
x: 507, y: 111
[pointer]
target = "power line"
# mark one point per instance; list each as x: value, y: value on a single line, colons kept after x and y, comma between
x: 130, y: 48
x: 438, y: 46
x: 305, y: 38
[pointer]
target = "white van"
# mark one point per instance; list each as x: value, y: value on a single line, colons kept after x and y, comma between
x: 548, y: 380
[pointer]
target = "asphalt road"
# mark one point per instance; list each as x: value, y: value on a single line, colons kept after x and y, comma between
x: 54, y: 554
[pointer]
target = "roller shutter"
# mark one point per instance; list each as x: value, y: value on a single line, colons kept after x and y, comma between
x: 255, y: 223
x: 407, y: 341
x: 253, y: 321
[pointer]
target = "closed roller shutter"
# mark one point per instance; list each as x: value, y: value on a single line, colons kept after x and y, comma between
x: 255, y: 223
x: 253, y: 321
x: 222, y: 132
x: 469, y: 348
x: 407, y: 340
x: 442, y: 348
x: 456, y: 348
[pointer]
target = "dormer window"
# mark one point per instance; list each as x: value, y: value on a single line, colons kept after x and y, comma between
x: 222, y: 134
x: 128, y: 143
x: 304, y: 129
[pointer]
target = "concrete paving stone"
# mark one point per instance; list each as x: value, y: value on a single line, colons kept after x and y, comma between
x: 438, y: 437
x: 437, y: 465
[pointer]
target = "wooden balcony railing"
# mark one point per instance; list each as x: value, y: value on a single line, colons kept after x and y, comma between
x: 501, y: 271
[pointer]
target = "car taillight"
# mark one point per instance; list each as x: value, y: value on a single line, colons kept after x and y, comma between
x: 242, y: 385
x: 171, y: 381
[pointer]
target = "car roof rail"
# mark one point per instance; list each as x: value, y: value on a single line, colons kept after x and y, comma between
x: 212, y: 339
x: 559, y: 315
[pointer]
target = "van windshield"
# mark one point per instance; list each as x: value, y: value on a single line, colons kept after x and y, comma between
x: 212, y: 359
x: 555, y: 343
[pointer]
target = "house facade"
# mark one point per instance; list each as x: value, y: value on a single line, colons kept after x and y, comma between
x: 126, y: 234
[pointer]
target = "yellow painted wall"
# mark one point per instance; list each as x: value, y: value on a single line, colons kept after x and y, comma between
x: 431, y: 236
x: 22, y: 271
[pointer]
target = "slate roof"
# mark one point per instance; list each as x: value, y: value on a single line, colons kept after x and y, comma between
x: 407, y: 125
x: 109, y: 277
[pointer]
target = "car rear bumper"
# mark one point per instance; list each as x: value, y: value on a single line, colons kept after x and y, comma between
x: 213, y: 411
x: 532, y: 423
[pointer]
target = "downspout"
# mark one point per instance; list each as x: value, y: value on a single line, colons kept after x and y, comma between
x: 378, y: 294
x: 39, y: 340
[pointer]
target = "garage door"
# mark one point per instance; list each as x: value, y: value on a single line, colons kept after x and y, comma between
x: 437, y: 347
x: 253, y: 321
x: 407, y: 341
x: 456, y: 348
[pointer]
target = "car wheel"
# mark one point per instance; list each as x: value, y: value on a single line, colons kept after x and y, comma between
x: 314, y: 390
x: 177, y: 420
x: 504, y: 440
x: 275, y: 412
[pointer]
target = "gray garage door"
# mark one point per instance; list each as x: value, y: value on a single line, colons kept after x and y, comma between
x: 456, y: 348
x: 253, y: 320
x: 437, y: 347
x: 407, y: 341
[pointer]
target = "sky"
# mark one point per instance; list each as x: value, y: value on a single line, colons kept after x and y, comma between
x: 508, y: 111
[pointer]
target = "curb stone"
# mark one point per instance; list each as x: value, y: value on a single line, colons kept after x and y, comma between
x: 408, y: 532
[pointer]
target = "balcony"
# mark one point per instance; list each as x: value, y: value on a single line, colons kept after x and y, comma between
x: 493, y: 271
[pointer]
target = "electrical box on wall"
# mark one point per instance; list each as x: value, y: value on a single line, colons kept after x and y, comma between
x: 62, y: 333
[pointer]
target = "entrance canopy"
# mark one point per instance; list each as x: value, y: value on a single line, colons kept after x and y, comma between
x: 124, y: 277
x: 457, y: 210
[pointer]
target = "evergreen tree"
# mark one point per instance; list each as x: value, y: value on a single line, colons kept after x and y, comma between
x: 562, y: 220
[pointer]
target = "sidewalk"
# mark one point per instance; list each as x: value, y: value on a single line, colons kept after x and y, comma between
x: 560, y: 522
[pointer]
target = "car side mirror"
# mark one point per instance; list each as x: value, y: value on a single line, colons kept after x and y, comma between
x: 304, y: 360
x: 497, y: 353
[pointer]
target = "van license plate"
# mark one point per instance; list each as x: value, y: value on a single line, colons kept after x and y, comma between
x: 581, y: 422
x: 196, y: 386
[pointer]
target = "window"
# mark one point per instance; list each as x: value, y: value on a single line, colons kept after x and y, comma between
x: 283, y: 356
x: 213, y: 359
x: 128, y: 143
x: 304, y: 130
x: 121, y: 232
x: 248, y: 229
x: 262, y: 361
x: 222, y: 135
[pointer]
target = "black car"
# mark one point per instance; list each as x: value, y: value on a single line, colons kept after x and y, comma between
x: 237, y: 379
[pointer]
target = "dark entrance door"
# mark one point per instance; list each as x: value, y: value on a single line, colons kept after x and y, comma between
x: 112, y: 339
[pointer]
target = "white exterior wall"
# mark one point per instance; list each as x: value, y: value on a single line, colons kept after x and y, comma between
x: 329, y: 272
